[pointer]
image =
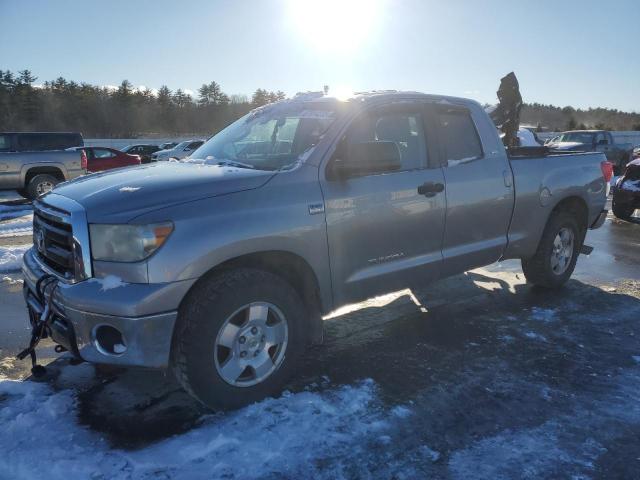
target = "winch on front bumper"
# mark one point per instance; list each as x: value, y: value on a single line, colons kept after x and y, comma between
x: 83, y: 326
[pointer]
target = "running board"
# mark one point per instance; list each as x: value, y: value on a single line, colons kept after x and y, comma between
x: 586, y: 250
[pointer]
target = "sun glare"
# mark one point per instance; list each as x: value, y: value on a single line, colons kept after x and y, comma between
x: 334, y: 26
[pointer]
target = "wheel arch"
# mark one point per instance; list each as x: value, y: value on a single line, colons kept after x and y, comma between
x: 291, y: 267
x: 30, y: 171
x: 574, y: 205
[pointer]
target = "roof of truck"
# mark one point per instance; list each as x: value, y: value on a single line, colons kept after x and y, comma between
x: 375, y: 95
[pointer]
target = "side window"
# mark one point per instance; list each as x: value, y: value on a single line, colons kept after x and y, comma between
x: 5, y: 143
x: 458, y: 136
x: 102, y: 153
x: 601, y: 139
x: 29, y: 142
x: 405, y: 129
x: 193, y: 145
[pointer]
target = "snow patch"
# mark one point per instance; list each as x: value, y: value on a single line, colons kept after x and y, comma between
x: 16, y: 228
x: 543, y: 314
x: 11, y: 257
x: 535, y: 336
x: 109, y: 282
x: 302, y: 435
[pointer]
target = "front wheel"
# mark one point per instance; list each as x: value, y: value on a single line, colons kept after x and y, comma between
x: 557, y: 253
x: 238, y: 337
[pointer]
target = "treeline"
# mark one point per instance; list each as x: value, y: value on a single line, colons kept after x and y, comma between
x: 556, y: 119
x: 127, y: 112
x: 122, y: 112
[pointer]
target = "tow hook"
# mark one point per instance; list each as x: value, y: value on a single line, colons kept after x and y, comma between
x: 40, y: 326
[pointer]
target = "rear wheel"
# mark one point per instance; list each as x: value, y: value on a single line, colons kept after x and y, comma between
x: 41, y: 184
x: 557, y: 253
x: 238, y: 338
x: 622, y: 210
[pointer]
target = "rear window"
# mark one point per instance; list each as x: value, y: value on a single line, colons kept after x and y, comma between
x: 458, y: 136
x: 5, y: 143
x: 48, y: 141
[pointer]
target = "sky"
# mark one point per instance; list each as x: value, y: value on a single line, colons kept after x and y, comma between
x: 567, y: 52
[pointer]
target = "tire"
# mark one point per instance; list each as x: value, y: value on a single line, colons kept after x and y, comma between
x: 40, y: 184
x: 540, y: 269
x: 23, y: 192
x: 622, y: 211
x: 206, y: 317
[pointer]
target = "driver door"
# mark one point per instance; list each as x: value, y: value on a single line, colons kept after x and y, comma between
x: 385, y: 229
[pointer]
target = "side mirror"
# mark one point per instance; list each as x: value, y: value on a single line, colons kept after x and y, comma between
x: 367, y: 158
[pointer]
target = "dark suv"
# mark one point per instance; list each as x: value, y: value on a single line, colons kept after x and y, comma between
x: 626, y: 196
x: 143, y: 151
x: 39, y: 141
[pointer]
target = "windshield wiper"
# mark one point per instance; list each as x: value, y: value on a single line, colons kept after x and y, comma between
x: 233, y: 163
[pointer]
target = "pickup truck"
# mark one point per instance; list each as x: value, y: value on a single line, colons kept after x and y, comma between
x: 594, y: 141
x: 221, y: 267
x: 35, y: 173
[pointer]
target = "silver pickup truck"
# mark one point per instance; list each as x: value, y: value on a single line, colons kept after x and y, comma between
x: 222, y: 267
x: 34, y: 173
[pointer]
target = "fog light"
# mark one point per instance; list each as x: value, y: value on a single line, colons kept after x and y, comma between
x: 109, y: 340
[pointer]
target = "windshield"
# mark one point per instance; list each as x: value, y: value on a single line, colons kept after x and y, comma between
x: 269, y: 138
x: 578, y: 137
x: 180, y: 145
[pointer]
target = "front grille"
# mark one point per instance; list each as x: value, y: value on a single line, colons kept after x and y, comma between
x: 53, y: 239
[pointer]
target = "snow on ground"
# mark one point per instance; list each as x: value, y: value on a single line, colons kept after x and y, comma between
x: 302, y: 435
x: 11, y: 257
x: 17, y: 227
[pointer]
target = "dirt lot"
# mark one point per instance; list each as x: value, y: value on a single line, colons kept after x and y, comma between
x: 478, y: 376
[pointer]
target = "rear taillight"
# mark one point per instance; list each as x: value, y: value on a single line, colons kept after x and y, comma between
x: 607, y: 171
x: 83, y: 160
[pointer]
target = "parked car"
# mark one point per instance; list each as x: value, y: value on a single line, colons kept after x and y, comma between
x: 528, y: 138
x: 594, y: 141
x: 221, y: 267
x: 180, y: 151
x: 167, y: 145
x: 35, y: 173
x: 103, y: 158
x: 144, y: 151
x: 626, y: 194
x: 38, y: 141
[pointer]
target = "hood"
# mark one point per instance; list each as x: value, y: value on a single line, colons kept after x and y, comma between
x: 122, y: 194
x: 569, y: 146
x: 164, y: 152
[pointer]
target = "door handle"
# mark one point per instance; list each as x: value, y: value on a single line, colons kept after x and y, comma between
x: 430, y: 189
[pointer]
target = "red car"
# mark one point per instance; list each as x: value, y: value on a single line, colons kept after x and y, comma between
x: 103, y: 158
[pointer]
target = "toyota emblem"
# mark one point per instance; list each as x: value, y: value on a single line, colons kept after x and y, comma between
x: 40, y: 240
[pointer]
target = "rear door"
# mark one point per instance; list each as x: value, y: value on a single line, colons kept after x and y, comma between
x: 383, y: 233
x: 479, y: 190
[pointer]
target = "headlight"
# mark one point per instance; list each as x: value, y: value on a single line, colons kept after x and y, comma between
x: 127, y: 243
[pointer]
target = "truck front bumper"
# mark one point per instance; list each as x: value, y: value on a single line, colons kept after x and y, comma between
x: 101, y: 325
x: 599, y: 221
